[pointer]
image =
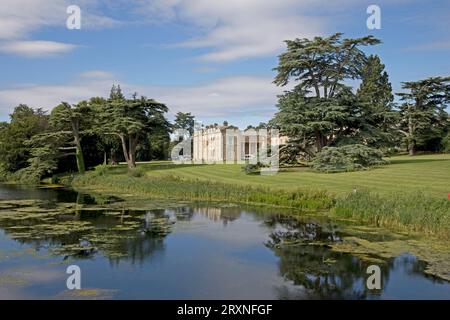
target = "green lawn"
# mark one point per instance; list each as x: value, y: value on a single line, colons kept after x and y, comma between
x: 429, y: 174
x: 409, y: 194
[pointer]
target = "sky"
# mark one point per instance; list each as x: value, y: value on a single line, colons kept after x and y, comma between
x: 212, y: 58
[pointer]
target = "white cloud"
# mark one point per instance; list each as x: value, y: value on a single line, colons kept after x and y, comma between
x: 229, y: 98
x: 49, y: 96
x: 19, y: 18
x: 97, y: 74
x: 240, y: 29
x: 220, y: 98
x: 236, y: 29
x: 442, y: 44
x: 36, y: 48
x: 230, y: 30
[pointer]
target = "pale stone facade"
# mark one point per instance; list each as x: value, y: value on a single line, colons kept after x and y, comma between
x: 225, y: 143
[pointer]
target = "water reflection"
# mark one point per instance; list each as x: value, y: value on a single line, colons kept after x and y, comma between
x: 318, y: 272
x: 292, y: 255
x: 80, y: 230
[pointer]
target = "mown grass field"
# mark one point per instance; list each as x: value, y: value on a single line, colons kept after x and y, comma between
x: 427, y: 174
x: 409, y: 194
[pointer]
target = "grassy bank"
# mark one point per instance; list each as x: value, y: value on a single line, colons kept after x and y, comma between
x: 176, y: 188
x: 427, y: 174
x: 399, y: 211
x: 410, y: 194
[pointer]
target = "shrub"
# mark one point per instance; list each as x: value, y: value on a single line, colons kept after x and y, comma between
x: 347, y: 158
x: 253, y: 168
x: 136, y: 172
x: 28, y: 175
x: 101, y: 170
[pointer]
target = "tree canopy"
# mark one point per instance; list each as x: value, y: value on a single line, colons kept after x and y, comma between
x: 423, y: 111
x: 184, y: 121
x: 129, y: 120
x: 322, y: 109
x: 25, y: 123
x: 322, y: 64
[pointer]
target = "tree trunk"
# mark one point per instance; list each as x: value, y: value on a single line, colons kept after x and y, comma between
x: 319, y: 141
x: 411, y: 140
x: 412, y: 147
x: 78, y: 151
x: 125, y: 151
x: 80, y: 160
x: 113, y: 158
x: 132, y: 143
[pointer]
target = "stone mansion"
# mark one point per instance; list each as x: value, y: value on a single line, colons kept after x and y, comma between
x: 226, y: 143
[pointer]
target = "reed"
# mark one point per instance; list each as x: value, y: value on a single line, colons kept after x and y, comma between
x: 410, y: 210
x: 177, y: 188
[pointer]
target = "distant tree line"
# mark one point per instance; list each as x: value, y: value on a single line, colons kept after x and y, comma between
x: 339, y: 126
x: 35, y: 144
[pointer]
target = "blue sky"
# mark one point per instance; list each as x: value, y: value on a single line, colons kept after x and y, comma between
x: 211, y: 58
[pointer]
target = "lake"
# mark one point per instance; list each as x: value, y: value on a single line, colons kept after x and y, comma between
x: 159, y: 250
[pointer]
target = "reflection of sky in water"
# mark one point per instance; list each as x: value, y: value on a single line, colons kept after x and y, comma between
x: 406, y: 284
x: 210, y: 253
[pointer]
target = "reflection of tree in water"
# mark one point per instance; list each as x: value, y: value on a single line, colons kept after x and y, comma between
x: 74, y: 230
x: 82, y: 230
x: 138, y: 249
x: 316, y: 270
x: 296, y: 230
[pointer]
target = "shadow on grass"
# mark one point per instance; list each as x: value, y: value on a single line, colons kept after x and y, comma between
x: 122, y: 168
x: 412, y: 160
x: 167, y: 166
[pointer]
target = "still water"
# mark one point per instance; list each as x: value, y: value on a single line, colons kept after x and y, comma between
x: 150, y: 250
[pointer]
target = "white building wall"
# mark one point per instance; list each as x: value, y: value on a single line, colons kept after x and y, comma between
x: 217, y: 144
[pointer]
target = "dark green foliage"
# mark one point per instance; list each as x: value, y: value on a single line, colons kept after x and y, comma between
x: 116, y: 93
x: 72, y: 121
x: 378, y: 117
x: 43, y: 161
x: 252, y: 168
x: 446, y: 143
x: 96, y: 142
x: 130, y: 121
x: 423, y: 113
x: 184, y: 121
x: 322, y: 110
x: 155, y: 144
x: 375, y: 87
x: 347, y: 158
x: 34, y: 145
x: 25, y: 123
x: 313, y: 123
x: 320, y: 65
